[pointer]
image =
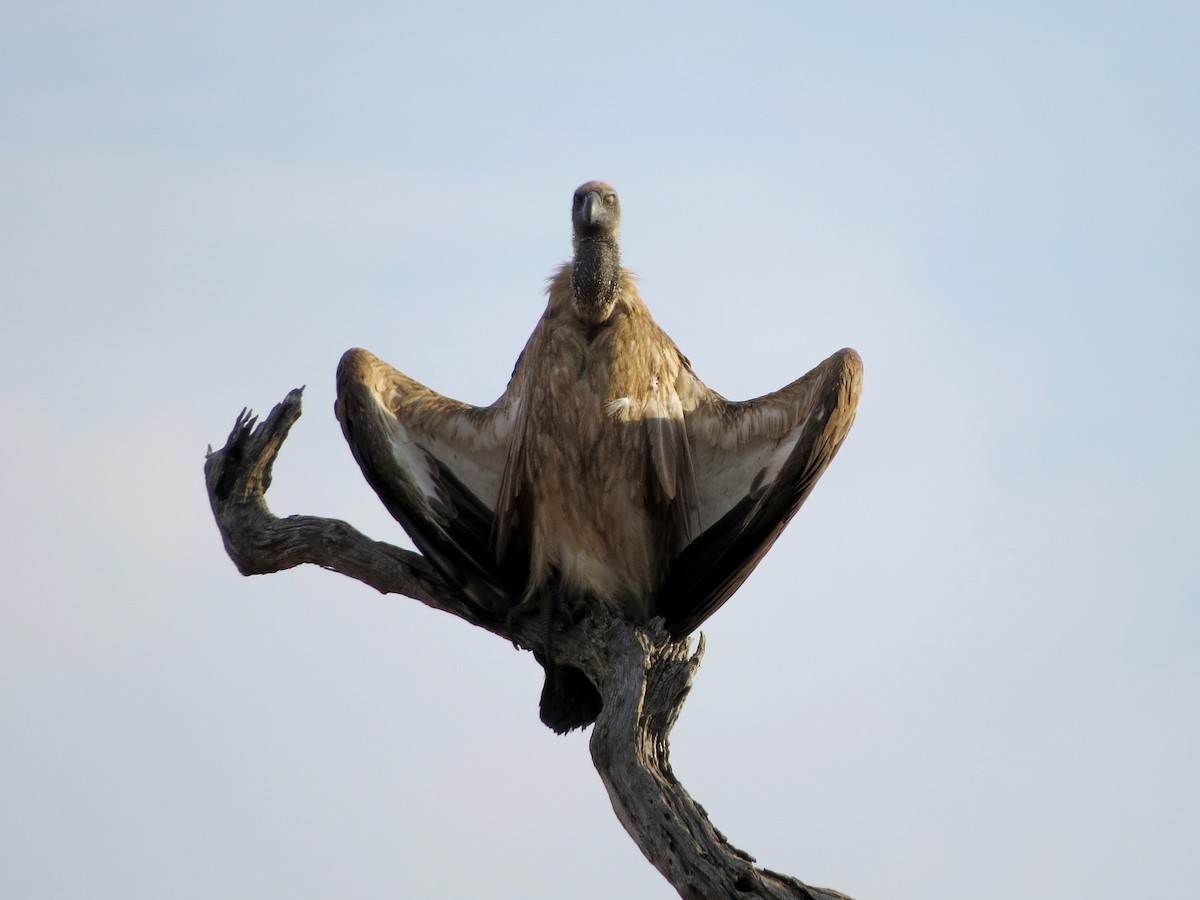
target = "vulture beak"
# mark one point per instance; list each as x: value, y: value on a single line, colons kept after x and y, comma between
x: 593, y: 209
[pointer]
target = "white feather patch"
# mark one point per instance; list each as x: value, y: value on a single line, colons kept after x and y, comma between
x: 620, y: 409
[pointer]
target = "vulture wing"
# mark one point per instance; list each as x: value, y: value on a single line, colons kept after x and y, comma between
x: 437, y: 465
x: 754, y: 463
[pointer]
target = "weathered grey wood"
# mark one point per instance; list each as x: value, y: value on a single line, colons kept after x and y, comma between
x: 643, y: 676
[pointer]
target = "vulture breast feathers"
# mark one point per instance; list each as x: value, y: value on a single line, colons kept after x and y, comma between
x: 606, y: 473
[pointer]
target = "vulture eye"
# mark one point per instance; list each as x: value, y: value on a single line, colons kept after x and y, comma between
x: 610, y: 199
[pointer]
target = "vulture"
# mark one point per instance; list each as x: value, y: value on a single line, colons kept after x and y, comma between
x: 606, y: 473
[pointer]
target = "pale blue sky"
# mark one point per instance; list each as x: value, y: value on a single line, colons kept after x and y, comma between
x: 970, y: 667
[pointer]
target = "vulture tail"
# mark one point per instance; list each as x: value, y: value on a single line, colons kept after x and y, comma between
x: 569, y: 699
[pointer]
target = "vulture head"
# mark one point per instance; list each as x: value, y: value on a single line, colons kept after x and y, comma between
x: 596, y: 212
x: 596, y: 270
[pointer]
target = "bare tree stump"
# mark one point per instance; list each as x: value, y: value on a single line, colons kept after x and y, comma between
x: 642, y: 675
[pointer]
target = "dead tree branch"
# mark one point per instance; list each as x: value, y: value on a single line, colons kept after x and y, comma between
x: 643, y: 676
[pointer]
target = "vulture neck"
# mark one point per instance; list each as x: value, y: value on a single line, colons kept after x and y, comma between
x: 595, y: 277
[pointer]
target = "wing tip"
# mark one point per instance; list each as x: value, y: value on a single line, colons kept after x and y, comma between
x: 849, y: 364
x: 355, y: 364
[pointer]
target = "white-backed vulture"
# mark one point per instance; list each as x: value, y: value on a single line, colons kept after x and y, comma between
x: 605, y: 473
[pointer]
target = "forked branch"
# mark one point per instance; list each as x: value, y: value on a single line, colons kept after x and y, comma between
x: 643, y: 676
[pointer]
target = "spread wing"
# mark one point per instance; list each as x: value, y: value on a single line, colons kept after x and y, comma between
x: 437, y: 466
x: 754, y: 463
